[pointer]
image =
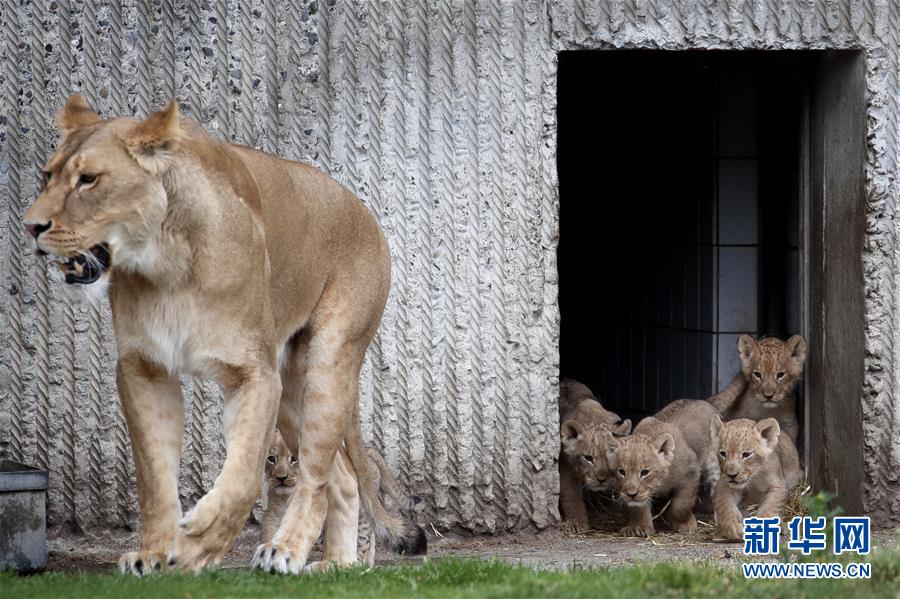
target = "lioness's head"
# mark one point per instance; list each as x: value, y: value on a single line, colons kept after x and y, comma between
x: 102, y: 200
x: 771, y: 366
x: 742, y: 447
x: 586, y: 444
x: 641, y: 463
x: 281, y: 466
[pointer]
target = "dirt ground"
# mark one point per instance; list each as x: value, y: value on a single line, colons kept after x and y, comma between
x: 548, y: 549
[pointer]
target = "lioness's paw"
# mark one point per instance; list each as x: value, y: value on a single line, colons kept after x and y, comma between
x: 204, y: 536
x: 277, y: 557
x: 732, y: 530
x: 574, y: 526
x: 141, y: 563
x: 636, y: 531
x: 689, y: 525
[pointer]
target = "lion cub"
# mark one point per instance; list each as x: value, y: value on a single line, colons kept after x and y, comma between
x: 669, y: 454
x: 758, y: 465
x: 281, y: 475
x: 770, y: 369
x: 582, y: 456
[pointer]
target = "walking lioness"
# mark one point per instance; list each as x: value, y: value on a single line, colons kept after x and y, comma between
x: 222, y: 263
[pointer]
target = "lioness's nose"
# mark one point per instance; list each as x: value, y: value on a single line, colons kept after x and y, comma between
x: 35, y: 229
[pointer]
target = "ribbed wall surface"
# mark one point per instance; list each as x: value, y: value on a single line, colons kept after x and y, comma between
x: 441, y: 116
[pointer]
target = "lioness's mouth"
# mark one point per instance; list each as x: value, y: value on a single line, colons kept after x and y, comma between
x: 86, y: 267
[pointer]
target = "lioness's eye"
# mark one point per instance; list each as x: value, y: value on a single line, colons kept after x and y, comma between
x: 87, y: 178
x: 757, y: 375
x: 621, y: 472
x: 293, y: 460
x: 271, y: 459
x: 780, y: 375
x: 644, y: 473
x: 588, y: 458
x: 723, y: 454
x: 746, y: 455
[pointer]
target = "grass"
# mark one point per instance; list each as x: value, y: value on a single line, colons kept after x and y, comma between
x: 462, y: 578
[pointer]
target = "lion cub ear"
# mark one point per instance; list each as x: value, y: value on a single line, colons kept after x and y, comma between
x: 746, y: 345
x: 152, y: 141
x: 569, y: 432
x: 76, y: 114
x: 796, y: 349
x: 664, y: 443
x: 715, y: 426
x: 770, y: 431
x: 611, y: 443
x: 622, y: 429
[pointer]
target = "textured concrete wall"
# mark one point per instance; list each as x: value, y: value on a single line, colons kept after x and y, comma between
x: 441, y: 115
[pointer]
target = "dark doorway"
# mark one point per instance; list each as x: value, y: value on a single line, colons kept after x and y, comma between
x: 690, y: 183
x: 679, y: 184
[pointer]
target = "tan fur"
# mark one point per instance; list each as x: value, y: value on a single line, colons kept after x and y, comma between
x: 758, y: 466
x: 668, y: 455
x: 764, y: 388
x: 582, y: 456
x: 262, y: 274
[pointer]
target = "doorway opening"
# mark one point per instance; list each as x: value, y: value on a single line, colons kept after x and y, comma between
x: 704, y: 195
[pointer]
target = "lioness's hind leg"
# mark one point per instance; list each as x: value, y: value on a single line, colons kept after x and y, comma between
x: 329, y: 396
x: 342, y: 518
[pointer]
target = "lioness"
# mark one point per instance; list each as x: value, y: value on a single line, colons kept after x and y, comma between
x: 667, y: 455
x: 223, y: 263
x: 764, y: 388
x: 758, y: 465
x: 582, y: 456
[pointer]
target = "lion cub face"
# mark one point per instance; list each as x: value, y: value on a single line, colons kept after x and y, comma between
x: 641, y: 463
x: 102, y: 200
x: 281, y: 466
x: 742, y: 447
x: 771, y: 366
x: 586, y: 446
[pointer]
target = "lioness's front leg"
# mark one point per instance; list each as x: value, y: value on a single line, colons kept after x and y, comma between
x: 154, y: 412
x: 208, y: 531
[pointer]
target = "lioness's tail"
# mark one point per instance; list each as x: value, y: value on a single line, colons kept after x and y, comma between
x: 389, y: 484
x: 399, y: 534
x: 723, y: 400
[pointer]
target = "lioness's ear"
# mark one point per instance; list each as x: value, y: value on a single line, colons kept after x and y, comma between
x: 152, y: 140
x: 770, y: 431
x: 665, y: 446
x: 746, y: 345
x: 622, y: 429
x: 796, y: 349
x: 76, y: 114
x: 569, y: 432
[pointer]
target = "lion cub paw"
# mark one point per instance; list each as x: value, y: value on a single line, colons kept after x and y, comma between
x: 277, y: 557
x: 689, y: 525
x: 574, y: 526
x: 733, y: 530
x: 636, y: 531
x: 141, y: 563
